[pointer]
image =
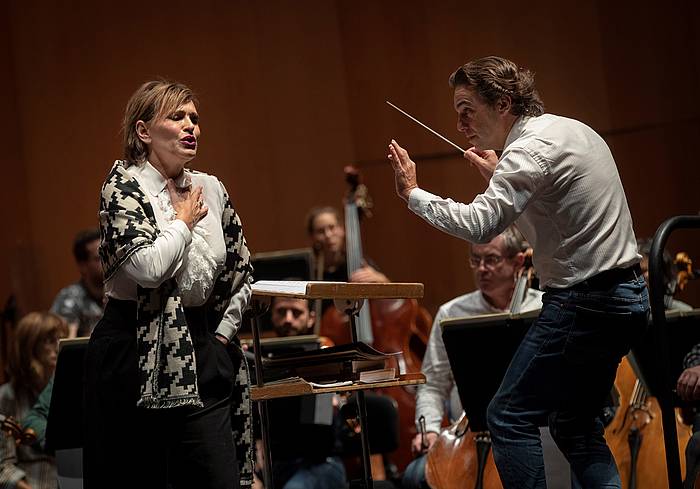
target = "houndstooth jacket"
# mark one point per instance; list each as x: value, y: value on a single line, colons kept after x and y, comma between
x: 166, y: 353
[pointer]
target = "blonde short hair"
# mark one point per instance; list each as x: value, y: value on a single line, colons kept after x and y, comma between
x: 153, y: 101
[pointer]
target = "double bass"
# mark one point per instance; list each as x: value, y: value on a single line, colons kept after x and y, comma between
x: 460, y: 457
x: 391, y: 325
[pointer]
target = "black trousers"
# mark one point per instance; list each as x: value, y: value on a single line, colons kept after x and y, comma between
x: 130, y: 447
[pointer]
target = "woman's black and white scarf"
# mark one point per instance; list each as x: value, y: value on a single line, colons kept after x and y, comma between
x: 166, y: 354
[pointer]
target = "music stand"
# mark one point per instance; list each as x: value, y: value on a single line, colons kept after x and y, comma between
x: 64, y: 426
x: 304, y: 417
x: 276, y: 346
x: 280, y: 265
x: 349, y: 297
x: 464, y: 339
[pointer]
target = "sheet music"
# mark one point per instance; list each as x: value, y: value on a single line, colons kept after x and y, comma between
x: 282, y: 286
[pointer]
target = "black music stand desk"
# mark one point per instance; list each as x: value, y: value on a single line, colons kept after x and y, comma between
x: 464, y: 340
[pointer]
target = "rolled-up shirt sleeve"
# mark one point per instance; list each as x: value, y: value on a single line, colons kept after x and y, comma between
x: 515, y: 181
x: 152, y: 265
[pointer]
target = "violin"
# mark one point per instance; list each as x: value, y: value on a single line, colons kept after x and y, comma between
x: 11, y: 427
x: 394, y: 325
x: 460, y: 457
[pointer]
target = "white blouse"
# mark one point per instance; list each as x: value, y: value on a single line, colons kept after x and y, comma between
x: 194, y: 258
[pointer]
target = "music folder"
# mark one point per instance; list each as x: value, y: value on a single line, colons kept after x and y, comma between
x: 480, y: 349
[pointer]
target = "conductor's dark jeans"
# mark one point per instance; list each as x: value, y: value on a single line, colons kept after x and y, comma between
x: 131, y: 447
x: 561, y: 374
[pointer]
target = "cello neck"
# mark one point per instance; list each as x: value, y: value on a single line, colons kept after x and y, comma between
x: 516, y: 302
x: 522, y: 283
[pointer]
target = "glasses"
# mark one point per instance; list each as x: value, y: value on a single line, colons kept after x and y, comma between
x: 490, y: 261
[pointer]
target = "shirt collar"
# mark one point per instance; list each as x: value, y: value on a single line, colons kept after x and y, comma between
x: 155, y: 183
x: 517, y: 129
x: 487, y: 305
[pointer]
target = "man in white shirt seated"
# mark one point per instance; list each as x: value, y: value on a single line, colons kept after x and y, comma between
x: 495, y: 266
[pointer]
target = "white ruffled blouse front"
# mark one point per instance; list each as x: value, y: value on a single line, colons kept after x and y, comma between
x: 196, y: 276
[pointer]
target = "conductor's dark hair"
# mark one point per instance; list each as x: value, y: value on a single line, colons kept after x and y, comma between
x: 493, y: 78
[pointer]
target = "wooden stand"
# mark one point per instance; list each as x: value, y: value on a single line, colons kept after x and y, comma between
x: 349, y: 297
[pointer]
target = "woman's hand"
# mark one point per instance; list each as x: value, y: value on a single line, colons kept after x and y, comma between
x: 188, y: 204
x: 484, y: 161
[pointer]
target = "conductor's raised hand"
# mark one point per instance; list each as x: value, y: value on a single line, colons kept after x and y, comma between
x: 188, y: 203
x: 404, y: 170
x: 484, y: 160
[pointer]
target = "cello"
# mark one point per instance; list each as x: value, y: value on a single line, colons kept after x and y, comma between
x: 635, y: 435
x: 462, y: 458
x: 394, y: 325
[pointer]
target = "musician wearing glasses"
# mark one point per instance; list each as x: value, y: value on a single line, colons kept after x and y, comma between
x: 495, y: 266
x: 557, y: 179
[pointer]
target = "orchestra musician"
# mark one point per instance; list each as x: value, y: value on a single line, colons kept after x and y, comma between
x: 670, y: 281
x: 389, y: 325
x: 32, y: 363
x: 688, y: 383
x: 291, y: 316
x: 556, y: 177
x: 327, y: 234
x: 688, y: 389
x: 495, y: 266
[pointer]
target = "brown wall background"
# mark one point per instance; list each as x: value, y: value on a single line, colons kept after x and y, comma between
x: 291, y: 91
